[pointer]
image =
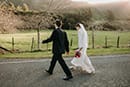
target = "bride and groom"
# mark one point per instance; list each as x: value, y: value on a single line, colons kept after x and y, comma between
x: 61, y: 44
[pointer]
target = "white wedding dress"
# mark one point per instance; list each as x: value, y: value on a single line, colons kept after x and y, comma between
x: 83, y: 62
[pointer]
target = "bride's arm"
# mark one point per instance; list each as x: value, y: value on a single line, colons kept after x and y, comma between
x: 80, y: 48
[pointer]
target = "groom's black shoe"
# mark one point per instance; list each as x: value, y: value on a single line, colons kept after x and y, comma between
x: 48, y: 72
x: 68, y: 78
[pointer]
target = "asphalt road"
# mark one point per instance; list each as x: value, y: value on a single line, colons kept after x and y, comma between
x: 111, y: 71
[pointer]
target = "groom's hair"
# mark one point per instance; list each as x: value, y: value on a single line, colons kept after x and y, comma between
x: 58, y: 22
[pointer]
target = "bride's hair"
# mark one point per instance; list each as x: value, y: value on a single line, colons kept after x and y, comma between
x: 78, y: 25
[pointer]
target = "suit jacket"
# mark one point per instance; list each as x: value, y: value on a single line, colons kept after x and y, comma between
x: 60, y: 41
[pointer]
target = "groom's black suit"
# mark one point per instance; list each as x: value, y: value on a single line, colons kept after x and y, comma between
x: 60, y: 45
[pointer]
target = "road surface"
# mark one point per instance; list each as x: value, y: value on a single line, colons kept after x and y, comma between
x: 111, y: 71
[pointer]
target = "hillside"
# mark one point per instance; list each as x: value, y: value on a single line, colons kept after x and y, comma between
x: 120, y: 9
x: 32, y: 14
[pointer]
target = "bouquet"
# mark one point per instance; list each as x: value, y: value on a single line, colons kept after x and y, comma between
x: 77, y: 54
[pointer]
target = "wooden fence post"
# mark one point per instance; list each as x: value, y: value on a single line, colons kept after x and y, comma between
x: 38, y: 35
x: 38, y: 38
x: 32, y: 44
x: 118, y: 42
x: 93, y: 39
x: 13, y: 43
x: 106, y: 43
x: 71, y: 42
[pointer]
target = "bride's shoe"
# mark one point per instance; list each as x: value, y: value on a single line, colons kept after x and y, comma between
x: 89, y: 73
x: 93, y: 72
x: 72, y: 68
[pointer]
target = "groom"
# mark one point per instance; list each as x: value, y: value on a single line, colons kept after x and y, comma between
x: 60, y: 45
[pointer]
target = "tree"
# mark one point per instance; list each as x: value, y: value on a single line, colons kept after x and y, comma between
x: 8, y: 20
x: 110, y: 15
x: 25, y: 7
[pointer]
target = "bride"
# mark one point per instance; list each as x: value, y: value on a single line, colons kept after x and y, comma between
x: 83, y: 61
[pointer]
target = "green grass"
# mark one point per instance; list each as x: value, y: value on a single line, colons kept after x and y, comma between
x: 48, y: 54
x: 23, y: 43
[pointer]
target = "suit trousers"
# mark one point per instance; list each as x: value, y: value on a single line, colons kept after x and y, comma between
x: 59, y: 58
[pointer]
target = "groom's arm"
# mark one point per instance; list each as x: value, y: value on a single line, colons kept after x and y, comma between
x: 51, y: 38
x: 66, y: 43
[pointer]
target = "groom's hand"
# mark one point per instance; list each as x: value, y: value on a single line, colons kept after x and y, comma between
x: 67, y: 53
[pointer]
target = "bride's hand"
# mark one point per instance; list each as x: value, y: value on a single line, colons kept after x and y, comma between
x: 79, y: 49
